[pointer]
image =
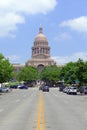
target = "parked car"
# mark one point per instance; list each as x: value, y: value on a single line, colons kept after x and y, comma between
x: 4, y: 89
x: 14, y: 86
x: 72, y: 90
x: 45, y: 89
x: 0, y: 90
x: 61, y: 88
x: 65, y: 90
x: 23, y: 87
x: 83, y: 89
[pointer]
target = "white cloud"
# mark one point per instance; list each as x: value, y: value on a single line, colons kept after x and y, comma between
x: 62, y: 37
x: 13, y: 58
x: 12, y: 12
x: 78, y: 24
x: 8, y: 23
x: 74, y: 57
x: 28, y: 6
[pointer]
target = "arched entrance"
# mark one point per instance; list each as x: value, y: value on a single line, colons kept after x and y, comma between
x: 40, y: 67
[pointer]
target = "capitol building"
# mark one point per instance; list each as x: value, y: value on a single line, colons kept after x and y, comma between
x: 40, y: 54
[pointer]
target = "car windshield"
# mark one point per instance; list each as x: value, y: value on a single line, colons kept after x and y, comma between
x: 46, y: 86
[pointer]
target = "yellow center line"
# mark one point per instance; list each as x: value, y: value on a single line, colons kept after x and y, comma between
x: 41, y: 119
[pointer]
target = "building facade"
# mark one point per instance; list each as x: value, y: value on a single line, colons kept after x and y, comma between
x: 40, y: 52
x: 17, y: 67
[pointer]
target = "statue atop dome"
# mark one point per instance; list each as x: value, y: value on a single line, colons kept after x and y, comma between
x: 40, y: 29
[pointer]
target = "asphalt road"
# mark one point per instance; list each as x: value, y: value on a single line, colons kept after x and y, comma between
x: 32, y: 110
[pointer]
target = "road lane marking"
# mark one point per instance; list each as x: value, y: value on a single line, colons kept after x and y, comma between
x: 41, y: 118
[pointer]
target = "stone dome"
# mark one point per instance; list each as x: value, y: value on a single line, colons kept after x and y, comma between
x: 40, y: 37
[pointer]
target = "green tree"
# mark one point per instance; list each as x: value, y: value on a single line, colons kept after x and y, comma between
x: 28, y: 73
x: 51, y: 74
x: 85, y: 73
x: 75, y: 72
x: 68, y: 73
x: 81, y: 71
x: 6, y: 69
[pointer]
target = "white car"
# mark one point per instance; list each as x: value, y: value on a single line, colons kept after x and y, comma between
x: 4, y: 89
x: 65, y: 90
x: 72, y: 90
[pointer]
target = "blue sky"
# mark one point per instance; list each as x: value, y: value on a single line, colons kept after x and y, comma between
x: 64, y: 23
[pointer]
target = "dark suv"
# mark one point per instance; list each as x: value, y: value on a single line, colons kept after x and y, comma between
x: 45, y: 89
x: 83, y: 89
